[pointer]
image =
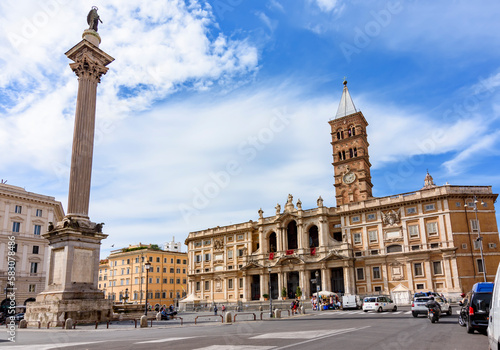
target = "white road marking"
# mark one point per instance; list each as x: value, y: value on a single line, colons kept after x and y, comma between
x: 236, y: 347
x: 294, y: 335
x: 46, y: 346
x: 408, y: 312
x: 162, y: 340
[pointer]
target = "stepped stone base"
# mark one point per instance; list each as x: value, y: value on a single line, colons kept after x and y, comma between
x: 79, y: 310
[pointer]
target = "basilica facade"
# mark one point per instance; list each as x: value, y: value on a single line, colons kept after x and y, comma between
x: 439, y: 238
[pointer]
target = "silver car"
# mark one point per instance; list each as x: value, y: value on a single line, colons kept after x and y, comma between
x: 418, y: 305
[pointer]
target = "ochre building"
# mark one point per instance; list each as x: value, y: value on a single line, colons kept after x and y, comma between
x: 122, y: 276
x: 428, y: 239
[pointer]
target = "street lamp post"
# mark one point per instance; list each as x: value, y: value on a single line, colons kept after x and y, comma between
x: 317, y: 290
x: 270, y: 294
x: 479, y: 238
x: 147, y: 266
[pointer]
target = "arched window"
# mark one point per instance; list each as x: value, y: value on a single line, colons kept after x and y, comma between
x: 351, y: 153
x: 291, y: 235
x: 395, y: 248
x: 340, y: 134
x: 351, y: 131
x: 272, y: 243
x: 313, y: 237
x: 343, y: 155
x: 355, y: 152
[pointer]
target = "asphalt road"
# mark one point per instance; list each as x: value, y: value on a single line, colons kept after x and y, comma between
x: 319, y: 330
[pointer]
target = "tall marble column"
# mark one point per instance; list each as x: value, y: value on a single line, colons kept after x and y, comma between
x: 71, y: 285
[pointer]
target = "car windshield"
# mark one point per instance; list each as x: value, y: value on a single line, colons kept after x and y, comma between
x: 419, y: 295
x: 481, y: 301
x: 369, y: 300
x: 422, y: 300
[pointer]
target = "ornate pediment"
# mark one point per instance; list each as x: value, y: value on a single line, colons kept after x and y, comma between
x: 218, y: 243
x: 334, y: 254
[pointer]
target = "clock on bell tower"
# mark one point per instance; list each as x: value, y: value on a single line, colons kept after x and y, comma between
x: 350, y: 153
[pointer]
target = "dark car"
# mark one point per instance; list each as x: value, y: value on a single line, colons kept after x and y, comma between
x: 19, y: 317
x: 478, y: 306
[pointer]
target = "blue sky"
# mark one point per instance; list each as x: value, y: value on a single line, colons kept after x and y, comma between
x: 214, y: 109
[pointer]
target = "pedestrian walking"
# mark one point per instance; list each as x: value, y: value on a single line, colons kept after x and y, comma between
x: 215, y: 309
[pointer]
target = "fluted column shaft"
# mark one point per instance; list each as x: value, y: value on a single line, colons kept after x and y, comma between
x: 83, y: 147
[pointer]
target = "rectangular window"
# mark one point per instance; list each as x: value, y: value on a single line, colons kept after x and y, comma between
x: 241, y: 282
x: 360, y: 274
x: 35, y: 249
x: 436, y: 265
x: 207, y: 257
x: 39, y: 213
x: 198, y: 286
x: 37, y: 230
x: 207, y: 285
x: 178, y: 261
x: 355, y: 219
x: 412, y: 210
x: 358, y: 253
x: 172, y: 270
x: 34, y: 267
x: 357, y: 238
x: 372, y: 236
x: 32, y: 288
x: 229, y: 254
x: 184, y: 261
x: 230, y: 283
x: 371, y: 217
x: 415, y: 247
x: 18, y: 209
x: 432, y: 228
x: 474, y: 225
x: 178, y: 270
x: 158, y: 259
x: 136, y: 281
x: 434, y: 245
x: 240, y: 252
x: 458, y: 204
x: 377, y: 289
x: 413, y: 231
x: 197, y: 244
x: 480, y: 267
x: 171, y: 281
x: 464, y: 245
x: 420, y: 286
x: 207, y: 242
x: 417, y: 268
x: 157, y: 280
x: 239, y: 238
x: 429, y: 207
x: 16, y: 226
x: 374, y: 252
x: 137, y: 260
x: 198, y: 258
x: 376, y: 273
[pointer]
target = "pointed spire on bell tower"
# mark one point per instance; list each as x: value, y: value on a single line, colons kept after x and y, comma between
x: 346, y: 106
x: 428, y: 181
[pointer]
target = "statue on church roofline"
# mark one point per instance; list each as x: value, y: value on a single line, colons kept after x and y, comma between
x: 93, y: 18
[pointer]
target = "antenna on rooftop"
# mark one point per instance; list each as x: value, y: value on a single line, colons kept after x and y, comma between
x: 3, y: 181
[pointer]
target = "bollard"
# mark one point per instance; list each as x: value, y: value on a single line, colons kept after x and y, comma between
x: 144, y: 321
x: 158, y: 316
x: 302, y: 310
x: 68, y: 324
x: 277, y: 313
x: 228, y: 317
x: 23, y: 324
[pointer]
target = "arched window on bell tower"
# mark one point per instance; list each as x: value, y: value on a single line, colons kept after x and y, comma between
x: 340, y: 134
x: 351, y: 131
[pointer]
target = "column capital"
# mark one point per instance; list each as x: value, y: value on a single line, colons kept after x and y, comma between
x: 90, y: 61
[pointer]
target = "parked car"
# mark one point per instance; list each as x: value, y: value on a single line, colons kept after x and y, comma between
x: 418, y: 305
x: 494, y: 317
x: 478, y: 304
x: 19, y: 317
x: 351, y: 302
x: 379, y: 304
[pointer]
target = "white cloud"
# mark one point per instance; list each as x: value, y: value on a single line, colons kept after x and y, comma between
x: 275, y: 4
x: 327, y: 5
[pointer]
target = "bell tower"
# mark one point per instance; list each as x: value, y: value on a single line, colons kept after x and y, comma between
x: 353, y: 182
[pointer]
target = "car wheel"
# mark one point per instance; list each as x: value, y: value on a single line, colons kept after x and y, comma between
x: 365, y: 310
x: 414, y: 314
x: 449, y: 311
x: 461, y: 321
x: 380, y: 309
x: 433, y: 320
x: 470, y: 330
x: 395, y: 308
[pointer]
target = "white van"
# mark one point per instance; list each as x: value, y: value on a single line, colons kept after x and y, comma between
x: 351, y: 302
x: 494, y: 318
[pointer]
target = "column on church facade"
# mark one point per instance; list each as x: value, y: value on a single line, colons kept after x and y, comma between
x: 454, y: 272
x: 279, y: 239
x: 348, y: 279
x: 409, y: 273
x: 325, y: 279
x: 447, y: 272
x: 264, y: 283
x: 385, y: 277
x: 323, y: 232
x: 300, y: 235
x: 428, y: 275
x: 280, y: 283
x: 304, y: 285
